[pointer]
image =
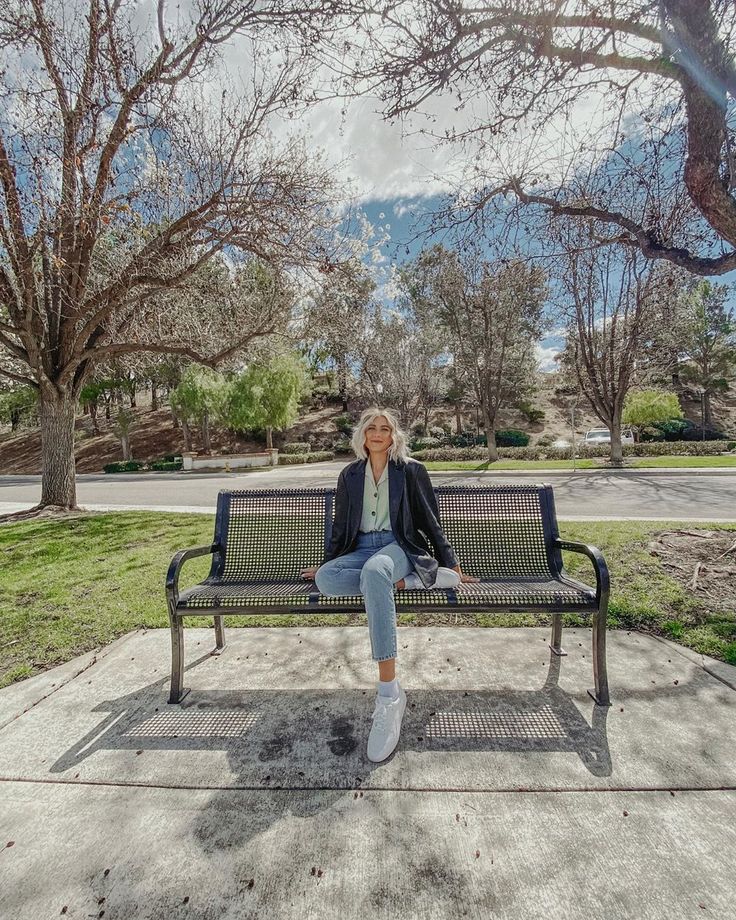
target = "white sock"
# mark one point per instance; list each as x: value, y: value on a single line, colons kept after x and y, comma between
x: 389, y: 688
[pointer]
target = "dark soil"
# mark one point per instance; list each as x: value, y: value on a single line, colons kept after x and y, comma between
x: 703, y: 561
x: 152, y: 437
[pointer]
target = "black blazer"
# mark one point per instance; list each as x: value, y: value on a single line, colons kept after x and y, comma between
x: 412, y: 509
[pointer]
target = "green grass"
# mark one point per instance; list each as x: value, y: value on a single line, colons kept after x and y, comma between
x: 510, y: 465
x: 589, y: 464
x: 73, y: 585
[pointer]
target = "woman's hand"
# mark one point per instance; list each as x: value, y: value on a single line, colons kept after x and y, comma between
x: 463, y: 576
x: 309, y: 573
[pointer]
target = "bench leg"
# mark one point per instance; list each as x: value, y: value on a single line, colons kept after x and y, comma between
x: 219, y: 637
x: 555, y: 644
x: 178, y: 692
x: 600, y: 673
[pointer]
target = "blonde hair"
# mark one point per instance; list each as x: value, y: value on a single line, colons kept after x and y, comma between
x: 398, y: 451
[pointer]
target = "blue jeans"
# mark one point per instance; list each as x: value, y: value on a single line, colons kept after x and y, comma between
x: 371, y: 570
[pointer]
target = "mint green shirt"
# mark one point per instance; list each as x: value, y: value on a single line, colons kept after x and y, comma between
x: 375, y: 501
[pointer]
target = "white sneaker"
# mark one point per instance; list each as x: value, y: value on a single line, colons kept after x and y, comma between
x: 387, y: 716
x: 446, y: 578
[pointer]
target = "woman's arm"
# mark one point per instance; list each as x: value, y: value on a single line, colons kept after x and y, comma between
x: 426, y: 516
x: 341, y: 518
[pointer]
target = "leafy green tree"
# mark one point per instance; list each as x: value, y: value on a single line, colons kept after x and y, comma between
x: 648, y: 407
x: 267, y: 396
x: 17, y: 404
x: 123, y: 425
x: 199, y: 399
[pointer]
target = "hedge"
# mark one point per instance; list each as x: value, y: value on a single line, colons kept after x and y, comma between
x: 295, y: 447
x: 134, y: 466
x: 124, y: 466
x: 314, y: 457
x: 649, y: 449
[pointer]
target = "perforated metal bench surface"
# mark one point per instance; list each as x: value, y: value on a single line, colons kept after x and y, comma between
x: 506, y: 535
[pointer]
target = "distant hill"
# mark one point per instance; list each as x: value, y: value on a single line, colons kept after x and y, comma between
x: 154, y: 434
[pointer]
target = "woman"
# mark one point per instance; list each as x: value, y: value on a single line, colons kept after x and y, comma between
x: 384, y: 506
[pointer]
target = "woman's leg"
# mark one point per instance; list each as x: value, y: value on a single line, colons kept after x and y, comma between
x: 340, y: 577
x: 378, y: 577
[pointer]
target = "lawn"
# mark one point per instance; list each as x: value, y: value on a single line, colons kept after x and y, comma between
x: 73, y: 585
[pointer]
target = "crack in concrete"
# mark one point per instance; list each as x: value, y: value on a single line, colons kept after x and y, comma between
x: 510, y: 790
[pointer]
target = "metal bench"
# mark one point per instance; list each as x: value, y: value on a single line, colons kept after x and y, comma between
x: 506, y: 535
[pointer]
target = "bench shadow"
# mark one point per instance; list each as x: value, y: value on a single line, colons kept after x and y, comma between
x: 279, y: 739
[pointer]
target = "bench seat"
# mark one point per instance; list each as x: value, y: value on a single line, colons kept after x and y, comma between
x: 505, y: 535
x: 519, y: 594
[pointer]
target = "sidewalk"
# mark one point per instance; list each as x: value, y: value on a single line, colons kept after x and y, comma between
x: 510, y: 795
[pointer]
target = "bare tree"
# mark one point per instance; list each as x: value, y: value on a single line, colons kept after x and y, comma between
x: 337, y: 316
x: 123, y: 173
x: 490, y: 316
x: 709, y: 346
x: 402, y: 356
x: 610, y: 296
x: 522, y: 65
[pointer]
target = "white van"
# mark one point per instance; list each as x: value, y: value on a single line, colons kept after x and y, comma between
x: 603, y: 436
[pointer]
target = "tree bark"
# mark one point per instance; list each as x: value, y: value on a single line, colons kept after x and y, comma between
x: 187, y: 435
x: 617, y: 456
x: 269, y: 437
x: 57, y: 412
x: 458, y: 419
x: 342, y: 379
x: 92, y: 406
x: 206, y: 432
x: 708, y: 409
x: 154, y: 397
x: 490, y: 424
x: 125, y: 444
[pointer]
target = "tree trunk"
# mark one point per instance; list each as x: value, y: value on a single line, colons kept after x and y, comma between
x: 342, y: 379
x: 56, y: 412
x: 708, y: 411
x: 458, y: 419
x: 187, y: 435
x: 490, y: 424
x: 154, y: 396
x: 617, y: 455
x: 269, y: 437
x: 125, y: 443
x: 92, y: 405
x: 206, y: 432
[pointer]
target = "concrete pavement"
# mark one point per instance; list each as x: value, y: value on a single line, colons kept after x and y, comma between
x: 510, y: 794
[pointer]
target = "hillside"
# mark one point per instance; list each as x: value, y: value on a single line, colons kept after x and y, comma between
x: 154, y: 434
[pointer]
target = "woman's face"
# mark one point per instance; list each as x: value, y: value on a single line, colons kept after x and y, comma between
x: 378, y: 435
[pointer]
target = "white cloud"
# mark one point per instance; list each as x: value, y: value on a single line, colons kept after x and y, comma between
x: 545, y: 357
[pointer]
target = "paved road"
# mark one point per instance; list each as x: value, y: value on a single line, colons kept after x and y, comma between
x: 647, y: 495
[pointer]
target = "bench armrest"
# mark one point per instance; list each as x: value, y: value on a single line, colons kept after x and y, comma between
x: 172, y: 576
x: 602, y: 578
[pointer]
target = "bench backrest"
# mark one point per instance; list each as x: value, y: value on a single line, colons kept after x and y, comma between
x: 497, y: 531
